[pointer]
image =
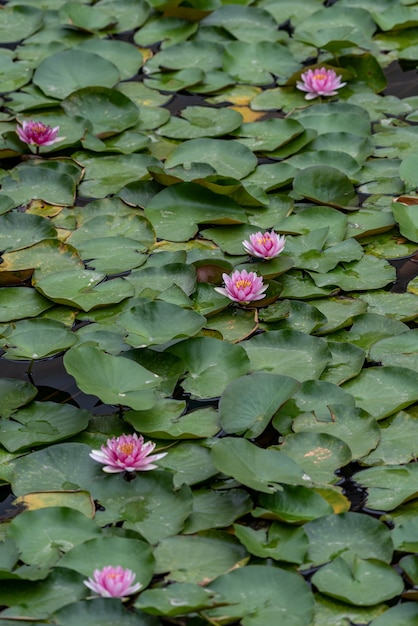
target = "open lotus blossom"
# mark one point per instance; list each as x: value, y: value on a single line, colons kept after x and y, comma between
x: 37, y: 133
x: 265, y: 246
x: 320, y: 82
x: 243, y: 287
x: 127, y: 453
x: 113, y: 582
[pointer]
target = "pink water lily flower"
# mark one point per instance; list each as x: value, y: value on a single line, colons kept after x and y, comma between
x: 265, y: 246
x: 37, y: 133
x: 127, y: 453
x: 243, y: 287
x: 113, y: 582
x: 320, y: 82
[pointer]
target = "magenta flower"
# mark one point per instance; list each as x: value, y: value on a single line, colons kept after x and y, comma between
x: 242, y: 287
x: 265, y: 246
x: 127, y: 453
x: 37, y: 133
x: 113, y: 582
x: 320, y: 82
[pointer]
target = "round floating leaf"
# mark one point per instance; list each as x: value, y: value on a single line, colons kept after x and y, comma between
x: 400, y: 350
x: 21, y: 230
x: 46, y: 256
x: 58, y: 75
x: 210, y: 365
x: 217, y: 509
x: 293, y: 505
x: 176, y: 211
x: 364, y: 582
x: 39, y: 599
x: 367, y: 273
x: 21, y: 302
x: 111, y: 255
x: 126, y: 57
x: 228, y: 158
x: 358, y: 429
x: 42, y: 422
x: 196, y: 121
x: 13, y: 394
x: 350, y: 534
x: 288, y: 352
x: 254, y: 63
x: 101, y: 612
x: 157, y: 322
x: 248, y: 403
x: 325, y: 185
x: 98, y: 552
x: 26, y: 183
x: 176, y: 599
x: 35, y: 339
x: 319, y: 454
x: 115, y: 380
x: 108, y: 110
x: 262, y: 470
x: 198, y: 558
x: 282, y: 542
x: 262, y: 595
x: 168, y: 420
x: 268, y: 135
x: 397, y: 442
x: 129, y: 14
x: 175, y: 81
x: 43, y: 535
x: 387, y: 487
x: 405, y: 614
x: 407, y: 218
x: 84, y: 289
x: 382, y: 391
x: 19, y: 22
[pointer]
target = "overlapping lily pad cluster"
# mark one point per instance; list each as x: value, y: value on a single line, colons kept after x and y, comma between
x: 184, y: 132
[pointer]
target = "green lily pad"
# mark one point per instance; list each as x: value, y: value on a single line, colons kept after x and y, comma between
x: 21, y: 230
x: 288, y: 352
x: 176, y: 599
x: 293, y: 505
x: 198, y: 122
x: 261, y: 470
x: 346, y: 362
x: 325, y: 185
x: 280, y: 542
x: 403, y: 614
x: 43, y: 535
x: 269, y: 134
x: 98, y: 552
x: 108, y: 110
x: 26, y: 183
x: 217, y: 509
x: 320, y: 454
x: 388, y: 486
x: 101, y: 612
x: 210, y: 365
x: 228, y: 158
x: 19, y: 22
x: 115, y: 380
x: 248, y: 403
x: 396, y: 444
x: 263, y: 595
x: 14, y: 394
x: 35, y: 339
x: 111, y: 255
x: 42, y: 422
x: 349, y: 535
x: 365, y: 582
x: 190, y: 463
x: 84, y: 289
x: 158, y: 322
x: 57, y: 75
x: 358, y: 429
x: 382, y: 391
x: 254, y: 63
x: 126, y: 57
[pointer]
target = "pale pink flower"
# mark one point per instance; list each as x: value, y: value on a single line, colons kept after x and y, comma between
x: 127, y: 453
x: 113, y: 582
x: 320, y: 82
x: 37, y: 133
x: 242, y: 287
x: 265, y: 246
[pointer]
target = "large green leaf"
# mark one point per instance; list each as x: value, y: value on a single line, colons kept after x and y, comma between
x: 263, y: 594
x: 248, y: 403
x: 325, y: 185
x: 35, y: 339
x: 115, y: 380
x: 58, y: 75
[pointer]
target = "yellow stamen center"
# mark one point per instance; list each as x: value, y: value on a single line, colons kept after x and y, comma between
x: 263, y: 240
x: 319, y: 76
x: 113, y: 575
x: 126, y: 448
x: 243, y: 283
